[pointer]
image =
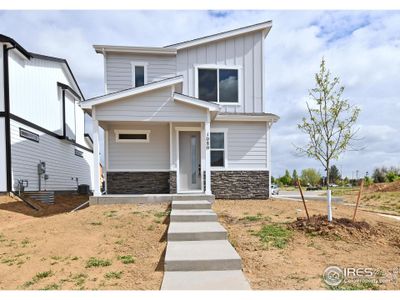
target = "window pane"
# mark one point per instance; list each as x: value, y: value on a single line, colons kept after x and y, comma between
x: 228, y: 85
x: 208, y: 84
x: 217, y: 158
x: 132, y: 136
x: 139, y: 76
x: 217, y: 140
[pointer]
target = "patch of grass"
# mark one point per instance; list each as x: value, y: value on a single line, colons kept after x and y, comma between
x: 119, y: 242
x: 96, y: 223
x: 8, y: 261
x: 94, y: 262
x: 113, y: 275
x: 356, y: 286
x: 53, y: 286
x: 274, y: 235
x: 162, y: 214
x: 38, y: 277
x: 252, y: 218
x: 157, y: 221
x: 74, y: 258
x: 126, y: 259
x: 25, y: 242
x: 110, y: 214
x: 54, y: 257
x: 80, y: 278
x: 150, y: 227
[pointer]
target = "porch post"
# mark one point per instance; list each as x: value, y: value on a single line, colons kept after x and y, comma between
x: 208, y: 156
x: 268, y: 136
x: 96, y: 155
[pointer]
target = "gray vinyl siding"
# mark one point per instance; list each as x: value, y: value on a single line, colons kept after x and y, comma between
x: 245, y: 51
x: 61, y: 162
x: 119, y: 69
x: 247, y: 144
x: 155, y: 105
x: 139, y: 156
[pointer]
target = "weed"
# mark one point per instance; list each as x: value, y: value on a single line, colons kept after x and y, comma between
x: 126, y: 259
x: 25, y: 242
x: 96, y: 223
x: 119, y: 242
x: 8, y: 261
x: 162, y: 214
x: 157, y: 221
x: 252, y: 218
x: 55, y: 257
x: 37, y: 277
x: 79, y: 278
x: 356, y: 286
x: 75, y: 258
x: 53, y: 286
x: 275, y: 235
x: 111, y: 213
x: 113, y: 275
x: 150, y: 227
x: 97, y: 262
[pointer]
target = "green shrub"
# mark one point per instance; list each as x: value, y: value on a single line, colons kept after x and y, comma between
x: 97, y: 262
x: 274, y: 235
x: 126, y: 259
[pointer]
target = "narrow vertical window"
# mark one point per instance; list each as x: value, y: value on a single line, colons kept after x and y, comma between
x: 139, y: 76
x: 217, y: 149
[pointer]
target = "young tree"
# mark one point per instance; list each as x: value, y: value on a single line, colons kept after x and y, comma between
x: 310, y: 177
x: 329, y: 124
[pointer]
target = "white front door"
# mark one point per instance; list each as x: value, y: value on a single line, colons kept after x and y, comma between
x: 189, y: 161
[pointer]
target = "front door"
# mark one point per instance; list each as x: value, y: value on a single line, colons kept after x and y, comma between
x: 189, y: 161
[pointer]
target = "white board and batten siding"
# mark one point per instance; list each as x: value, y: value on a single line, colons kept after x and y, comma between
x: 244, y: 51
x: 151, y: 156
x: 247, y: 144
x: 61, y: 162
x: 119, y: 69
x: 1, y: 79
x: 156, y: 106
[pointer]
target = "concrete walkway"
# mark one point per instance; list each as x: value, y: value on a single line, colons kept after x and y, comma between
x: 199, y: 256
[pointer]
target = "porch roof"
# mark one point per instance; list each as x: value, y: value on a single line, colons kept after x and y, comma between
x: 89, y: 103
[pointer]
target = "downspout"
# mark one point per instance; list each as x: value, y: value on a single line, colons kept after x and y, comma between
x: 7, y: 116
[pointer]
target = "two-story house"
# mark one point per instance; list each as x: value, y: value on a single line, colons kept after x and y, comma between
x: 42, y: 139
x: 186, y: 118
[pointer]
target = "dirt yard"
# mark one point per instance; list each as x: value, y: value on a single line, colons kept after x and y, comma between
x: 99, y: 247
x: 277, y: 255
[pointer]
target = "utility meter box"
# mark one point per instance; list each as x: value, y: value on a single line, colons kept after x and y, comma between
x: 41, y: 168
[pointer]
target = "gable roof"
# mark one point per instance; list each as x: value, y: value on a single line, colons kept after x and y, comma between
x: 223, y: 35
x: 196, y: 102
x: 29, y: 55
x: 173, y: 49
x: 89, y: 103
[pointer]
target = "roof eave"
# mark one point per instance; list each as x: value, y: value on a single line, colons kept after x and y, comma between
x: 89, y: 103
x: 242, y: 118
x: 197, y: 102
x: 140, y: 50
x: 265, y: 26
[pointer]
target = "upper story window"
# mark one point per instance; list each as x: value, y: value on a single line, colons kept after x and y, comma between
x: 218, y: 84
x: 139, y: 73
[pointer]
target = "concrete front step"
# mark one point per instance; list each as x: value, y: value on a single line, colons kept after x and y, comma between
x: 205, y: 280
x: 201, y: 256
x: 196, y: 231
x: 191, y: 204
x: 186, y: 197
x: 193, y: 215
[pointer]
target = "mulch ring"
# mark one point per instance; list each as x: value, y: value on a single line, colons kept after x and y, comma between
x: 339, y: 228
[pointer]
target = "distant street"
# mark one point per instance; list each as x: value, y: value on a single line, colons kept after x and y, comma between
x: 308, y: 195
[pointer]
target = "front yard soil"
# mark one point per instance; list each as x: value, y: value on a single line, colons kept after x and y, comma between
x: 296, y: 252
x: 99, y: 247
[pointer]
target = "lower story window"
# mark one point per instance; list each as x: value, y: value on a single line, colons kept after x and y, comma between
x: 217, y: 149
x: 132, y: 136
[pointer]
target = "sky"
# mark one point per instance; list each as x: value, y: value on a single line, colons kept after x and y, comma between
x: 361, y: 47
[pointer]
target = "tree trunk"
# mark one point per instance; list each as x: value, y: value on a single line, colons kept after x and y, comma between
x: 328, y: 193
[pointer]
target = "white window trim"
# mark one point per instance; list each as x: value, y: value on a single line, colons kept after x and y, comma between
x: 225, y: 132
x: 217, y: 67
x: 127, y: 131
x: 138, y: 64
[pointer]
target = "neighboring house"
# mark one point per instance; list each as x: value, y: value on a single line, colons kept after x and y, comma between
x: 186, y: 118
x: 40, y: 122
